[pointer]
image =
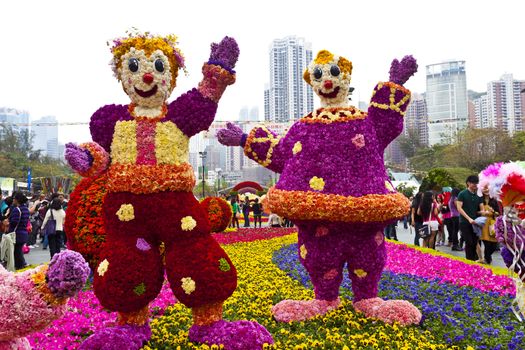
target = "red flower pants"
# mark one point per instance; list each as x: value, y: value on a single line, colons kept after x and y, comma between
x: 131, y: 271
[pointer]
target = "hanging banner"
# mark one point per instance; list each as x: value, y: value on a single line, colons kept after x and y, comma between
x: 55, y: 184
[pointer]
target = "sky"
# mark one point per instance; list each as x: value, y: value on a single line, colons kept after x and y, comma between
x: 54, y: 59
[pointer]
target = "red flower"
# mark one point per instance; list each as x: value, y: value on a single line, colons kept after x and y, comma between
x: 84, y: 224
x: 219, y: 213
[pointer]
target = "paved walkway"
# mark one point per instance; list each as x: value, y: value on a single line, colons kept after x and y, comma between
x: 407, y: 236
x: 38, y: 255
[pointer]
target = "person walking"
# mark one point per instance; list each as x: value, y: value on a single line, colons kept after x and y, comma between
x: 453, y: 221
x: 58, y: 214
x: 468, y: 204
x: 416, y: 219
x: 428, y: 209
x: 489, y: 209
x: 246, y: 211
x: 274, y: 220
x: 257, y: 213
x: 236, y: 212
x: 390, y: 231
x: 18, y: 219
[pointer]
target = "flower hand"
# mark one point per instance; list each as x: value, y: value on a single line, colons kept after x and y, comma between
x: 231, y: 136
x: 225, y: 53
x: 400, y: 72
x: 79, y: 159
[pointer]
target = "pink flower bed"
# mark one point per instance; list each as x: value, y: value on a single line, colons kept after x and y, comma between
x: 252, y: 234
x: 407, y: 260
x: 85, y: 316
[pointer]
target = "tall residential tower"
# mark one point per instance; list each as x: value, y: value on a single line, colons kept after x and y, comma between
x: 289, y: 97
x: 446, y: 98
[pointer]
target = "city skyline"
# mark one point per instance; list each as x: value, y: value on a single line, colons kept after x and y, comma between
x: 56, y: 63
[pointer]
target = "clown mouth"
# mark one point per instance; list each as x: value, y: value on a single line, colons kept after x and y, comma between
x: 148, y: 93
x: 331, y: 94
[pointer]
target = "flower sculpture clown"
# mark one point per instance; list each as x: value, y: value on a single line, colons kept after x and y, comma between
x: 334, y: 186
x: 506, y: 183
x: 143, y: 150
x: 31, y: 300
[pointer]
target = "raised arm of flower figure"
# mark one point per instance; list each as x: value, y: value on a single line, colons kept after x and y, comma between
x: 261, y: 144
x: 390, y: 101
x: 195, y: 110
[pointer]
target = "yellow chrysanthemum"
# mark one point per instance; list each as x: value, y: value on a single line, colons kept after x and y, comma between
x: 188, y: 223
x: 103, y: 267
x: 317, y: 183
x: 39, y: 277
x: 188, y: 285
x: 126, y: 212
x: 389, y: 186
x: 298, y: 147
x: 303, y: 251
x: 360, y: 273
x: 324, y: 57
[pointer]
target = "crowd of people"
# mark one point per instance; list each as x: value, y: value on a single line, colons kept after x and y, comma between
x: 246, y: 206
x: 461, y: 220
x: 25, y: 223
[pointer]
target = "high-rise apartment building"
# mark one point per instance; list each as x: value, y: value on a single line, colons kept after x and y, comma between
x: 506, y: 104
x: 482, y: 119
x: 446, y: 100
x: 289, y: 97
x: 416, y: 119
x: 45, y: 138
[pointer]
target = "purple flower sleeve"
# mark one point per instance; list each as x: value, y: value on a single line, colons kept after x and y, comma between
x: 195, y: 110
x: 268, y: 149
x: 387, y: 109
x: 192, y: 112
x: 102, y: 124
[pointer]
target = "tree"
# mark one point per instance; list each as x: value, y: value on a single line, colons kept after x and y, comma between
x: 437, y: 179
x: 410, y: 143
x: 17, y: 155
x: 208, y: 190
x: 427, y: 158
x: 518, y: 141
x: 408, y: 191
x: 477, y: 148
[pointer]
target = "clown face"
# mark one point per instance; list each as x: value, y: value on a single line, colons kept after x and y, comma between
x: 330, y: 83
x: 146, y: 79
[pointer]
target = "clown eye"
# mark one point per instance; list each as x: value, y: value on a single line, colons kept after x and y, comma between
x: 159, y: 65
x: 318, y: 73
x: 334, y: 70
x: 133, y: 64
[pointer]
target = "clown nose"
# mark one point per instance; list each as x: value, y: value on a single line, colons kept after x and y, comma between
x: 147, y: 78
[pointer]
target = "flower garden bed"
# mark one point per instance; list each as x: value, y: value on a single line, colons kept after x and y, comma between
x: 464, y: 305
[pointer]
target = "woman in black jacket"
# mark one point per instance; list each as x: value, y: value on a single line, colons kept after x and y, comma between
x: 18, y: 219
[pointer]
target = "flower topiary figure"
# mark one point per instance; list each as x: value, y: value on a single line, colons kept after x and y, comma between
x: 31, y: 300
x: 143, y: 148
x: 335, y: 188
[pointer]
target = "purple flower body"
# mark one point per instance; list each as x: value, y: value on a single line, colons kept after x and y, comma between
x: 361, y: 246
x: 327, y: 152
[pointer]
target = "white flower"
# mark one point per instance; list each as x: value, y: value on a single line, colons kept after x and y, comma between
x: 188, y: 285
x: 103, y: 267
x: 188, y: 223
